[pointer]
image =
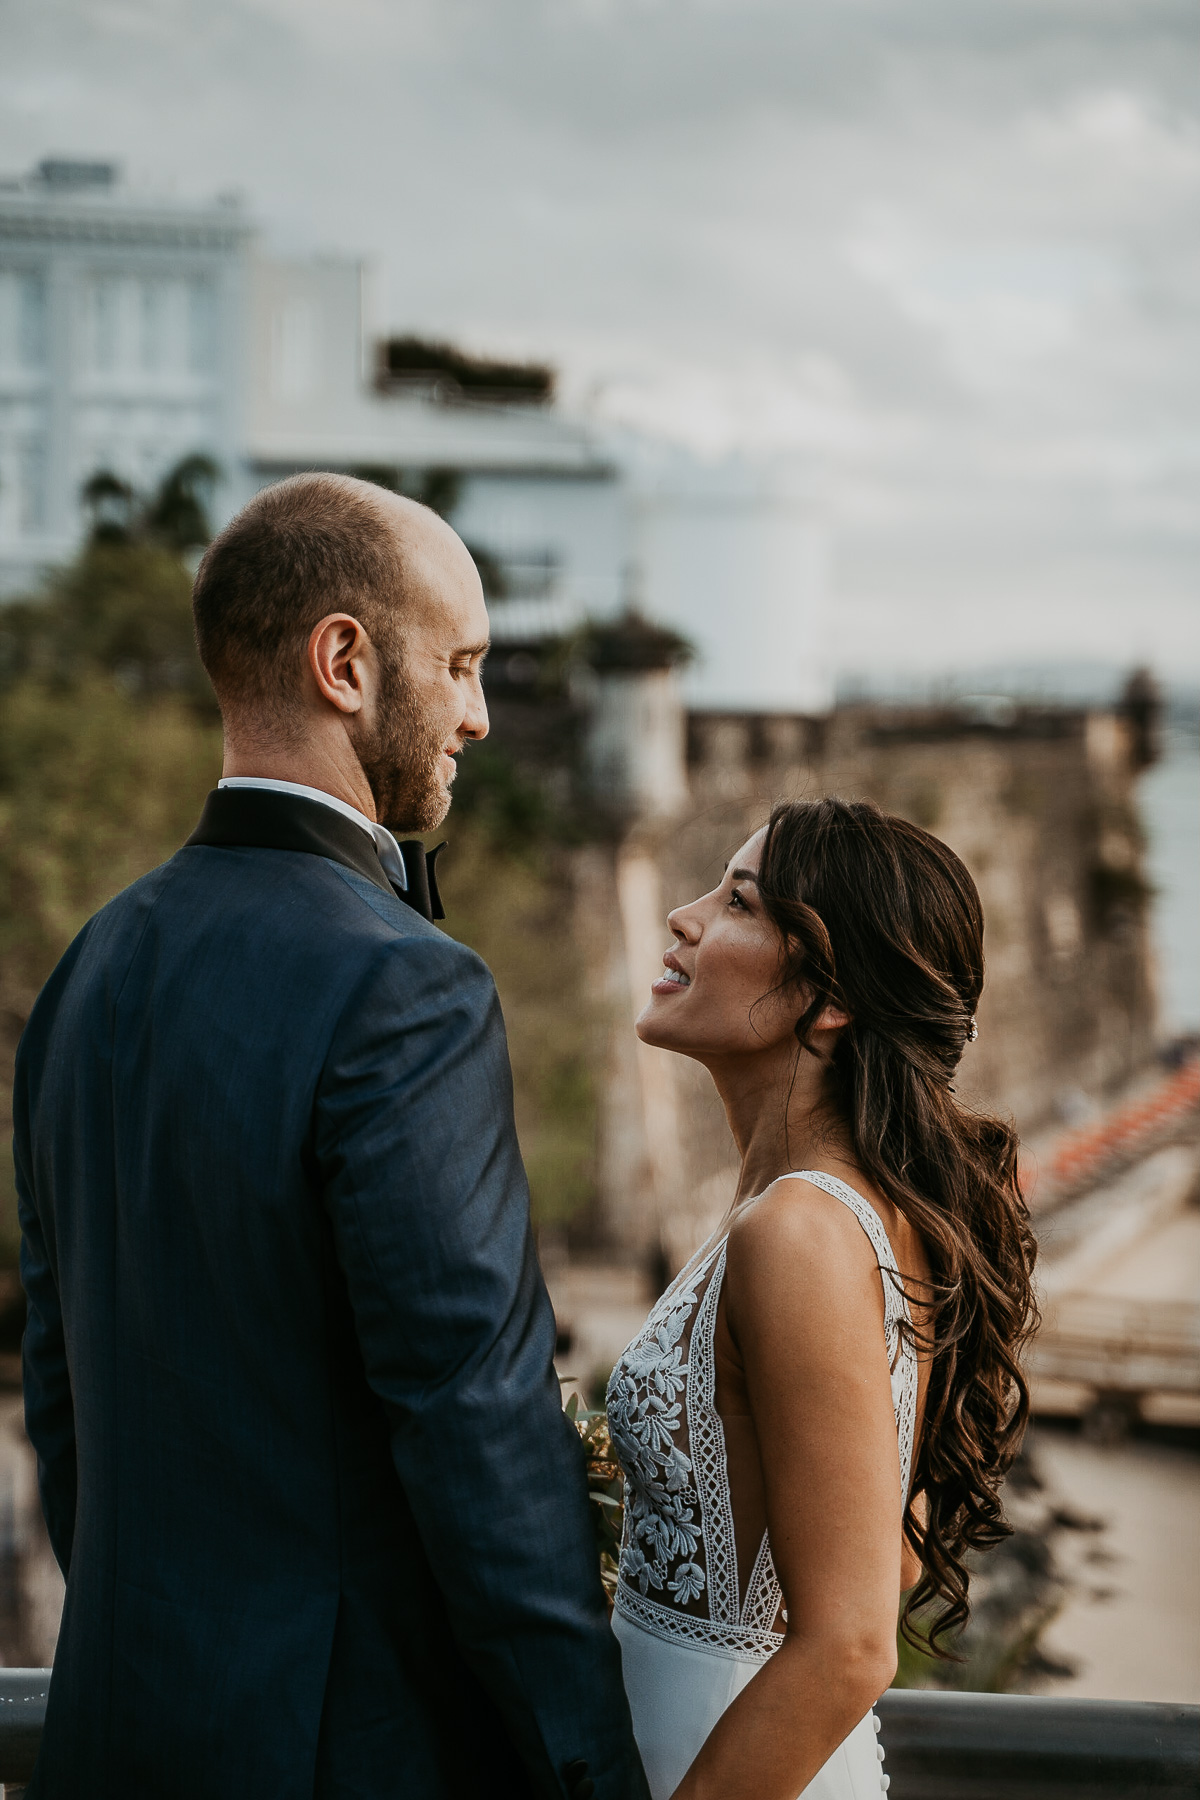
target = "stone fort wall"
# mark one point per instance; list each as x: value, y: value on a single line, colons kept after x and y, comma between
x: 1039, y: 802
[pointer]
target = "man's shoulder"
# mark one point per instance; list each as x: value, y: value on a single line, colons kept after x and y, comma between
x: 303, y: 904
x: 273, y: 904
x: 400, y: 919
x: 406, y: 940
x: 100, y: 952
x: 122, y: 917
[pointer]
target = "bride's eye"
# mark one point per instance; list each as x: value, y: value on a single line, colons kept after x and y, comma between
x: 735, y: 899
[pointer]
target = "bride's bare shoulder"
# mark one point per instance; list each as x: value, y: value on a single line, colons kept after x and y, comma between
x: 800, y: 1274
x: 798, y: 1237
x: 797, y: 1225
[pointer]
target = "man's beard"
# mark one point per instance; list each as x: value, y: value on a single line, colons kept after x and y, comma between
x: 401, y: 755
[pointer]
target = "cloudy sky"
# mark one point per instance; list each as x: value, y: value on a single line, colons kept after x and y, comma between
x: 941, y: 256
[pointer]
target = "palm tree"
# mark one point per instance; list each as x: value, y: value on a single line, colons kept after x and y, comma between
x: 178, y: 514
x: 110, y: 505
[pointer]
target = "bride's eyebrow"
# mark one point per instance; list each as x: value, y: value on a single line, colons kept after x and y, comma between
x: 745, y: 875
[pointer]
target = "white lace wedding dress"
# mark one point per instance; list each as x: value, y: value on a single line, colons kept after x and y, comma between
x: 690, y: 1641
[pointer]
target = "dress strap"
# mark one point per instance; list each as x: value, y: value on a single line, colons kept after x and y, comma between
x: 897, y: 1318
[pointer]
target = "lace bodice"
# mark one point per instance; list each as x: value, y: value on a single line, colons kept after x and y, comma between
x: 678, y: 1569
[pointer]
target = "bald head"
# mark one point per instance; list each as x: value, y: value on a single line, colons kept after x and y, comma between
x: 303, y: 549
x: 344, y: 630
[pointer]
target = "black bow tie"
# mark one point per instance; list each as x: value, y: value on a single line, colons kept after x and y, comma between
x: 420, y: 866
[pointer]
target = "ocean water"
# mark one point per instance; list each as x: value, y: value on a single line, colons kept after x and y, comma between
x: 1170, y: 806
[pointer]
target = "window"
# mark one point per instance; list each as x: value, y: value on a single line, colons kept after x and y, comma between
x: 102, y: 317
x: 294, y: 350
x: 154, y: 348
x: 22, y: 320
x: 31, y: 321
x: 202, y: 327
x: 31, y: 488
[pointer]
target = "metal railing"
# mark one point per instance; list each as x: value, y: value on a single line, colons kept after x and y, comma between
x: 1022, y: 1747
x: 22, y: 1715
x: 937, y: 1746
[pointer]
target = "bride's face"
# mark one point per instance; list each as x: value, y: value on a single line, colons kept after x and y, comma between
x: 718, y: 994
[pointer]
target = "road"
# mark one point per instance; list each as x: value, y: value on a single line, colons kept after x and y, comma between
x: 1131, y: 1626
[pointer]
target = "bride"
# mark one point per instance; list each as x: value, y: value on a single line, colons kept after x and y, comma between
x: 819, y: 1410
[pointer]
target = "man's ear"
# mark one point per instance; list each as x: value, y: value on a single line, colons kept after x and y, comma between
x: 338, y: 649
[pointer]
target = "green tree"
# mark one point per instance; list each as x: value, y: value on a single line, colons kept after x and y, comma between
x: 123, y: 610
x: 511, y: 900
x: 178, y: 514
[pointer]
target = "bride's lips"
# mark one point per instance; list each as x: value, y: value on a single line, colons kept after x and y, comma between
x: 675, y: 981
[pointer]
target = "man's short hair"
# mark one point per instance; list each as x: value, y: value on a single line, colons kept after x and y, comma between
x: 304, y: 548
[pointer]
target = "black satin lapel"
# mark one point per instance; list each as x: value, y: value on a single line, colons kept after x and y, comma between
x: 257, y: 819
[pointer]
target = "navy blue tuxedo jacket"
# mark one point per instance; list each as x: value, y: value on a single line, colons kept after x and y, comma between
x: 288, y: 1361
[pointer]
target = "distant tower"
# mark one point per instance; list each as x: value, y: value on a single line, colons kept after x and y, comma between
x: 636, y: 740
x: 1142, y: 707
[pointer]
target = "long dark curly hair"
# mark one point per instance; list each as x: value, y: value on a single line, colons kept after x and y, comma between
x: 882, y: 920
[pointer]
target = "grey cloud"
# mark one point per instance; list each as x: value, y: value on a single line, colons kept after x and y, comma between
x: 947, y: 248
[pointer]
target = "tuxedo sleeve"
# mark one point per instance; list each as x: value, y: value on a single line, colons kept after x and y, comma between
x: 49, y: 1408
x: 424, y: 1185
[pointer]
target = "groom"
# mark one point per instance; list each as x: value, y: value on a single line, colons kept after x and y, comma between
x: 288, y: 1362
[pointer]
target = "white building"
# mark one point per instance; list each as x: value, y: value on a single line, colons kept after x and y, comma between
x: 537, y: 491
x: 120, y: 348
x: 133, y: 334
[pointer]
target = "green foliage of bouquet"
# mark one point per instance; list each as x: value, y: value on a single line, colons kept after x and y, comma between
x: 605, y: 1488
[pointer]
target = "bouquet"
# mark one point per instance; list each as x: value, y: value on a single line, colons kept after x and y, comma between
x: 606, y: 1489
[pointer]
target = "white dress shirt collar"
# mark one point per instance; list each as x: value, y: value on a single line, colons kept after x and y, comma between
x: 385, y: 843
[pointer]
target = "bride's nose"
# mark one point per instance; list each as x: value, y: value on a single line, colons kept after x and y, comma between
x: 682, y: 925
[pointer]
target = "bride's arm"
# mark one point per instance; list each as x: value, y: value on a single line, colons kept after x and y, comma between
x: 804, y: 1303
